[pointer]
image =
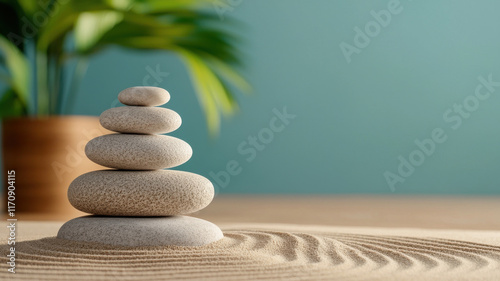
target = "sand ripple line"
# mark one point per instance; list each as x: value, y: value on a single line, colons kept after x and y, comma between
x: 471, y: 255
x: 259, y: 253
x: 381, y: 251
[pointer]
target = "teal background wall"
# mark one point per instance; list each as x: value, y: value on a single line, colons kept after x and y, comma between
x: 353, y: 120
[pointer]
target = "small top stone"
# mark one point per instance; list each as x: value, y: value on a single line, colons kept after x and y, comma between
x: 144, y: 96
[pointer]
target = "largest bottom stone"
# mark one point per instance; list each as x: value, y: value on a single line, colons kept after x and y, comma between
x: 146, y: 231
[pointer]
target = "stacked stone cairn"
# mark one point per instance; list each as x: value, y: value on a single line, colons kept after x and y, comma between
x: 139, y: 202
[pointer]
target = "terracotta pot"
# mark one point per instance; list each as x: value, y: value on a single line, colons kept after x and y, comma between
x: 46, y: 155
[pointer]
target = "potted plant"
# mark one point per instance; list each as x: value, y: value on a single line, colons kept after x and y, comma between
x: 40, y: 40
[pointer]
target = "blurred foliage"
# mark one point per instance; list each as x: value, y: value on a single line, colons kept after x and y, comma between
x: 38, y: 39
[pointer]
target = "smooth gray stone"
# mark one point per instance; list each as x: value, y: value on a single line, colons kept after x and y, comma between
x: 140, y: 193
x: 138, y: 152
x: 144, y: 96
x: 140, y: 120
x: 134, y: 232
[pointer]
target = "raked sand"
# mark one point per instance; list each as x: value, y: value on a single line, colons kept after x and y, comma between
x: 266, y: 252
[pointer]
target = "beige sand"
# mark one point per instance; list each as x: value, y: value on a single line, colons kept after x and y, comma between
x: 267, y: 252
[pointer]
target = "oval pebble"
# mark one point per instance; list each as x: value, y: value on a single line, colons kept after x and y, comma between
x: 137, y: 232
x: 140, y: 193
x: 140, y: 120
x: 138, y: 152
x: 144, y: 96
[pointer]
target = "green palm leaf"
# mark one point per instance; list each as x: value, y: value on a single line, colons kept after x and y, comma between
x: 91, y: 26
x: 15, y: 99
x: 188, y: 28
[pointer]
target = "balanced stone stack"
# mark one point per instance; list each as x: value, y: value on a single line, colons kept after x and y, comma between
x: 138, y: 203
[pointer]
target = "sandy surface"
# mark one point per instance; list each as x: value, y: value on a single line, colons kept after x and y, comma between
x: 266, y: 252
